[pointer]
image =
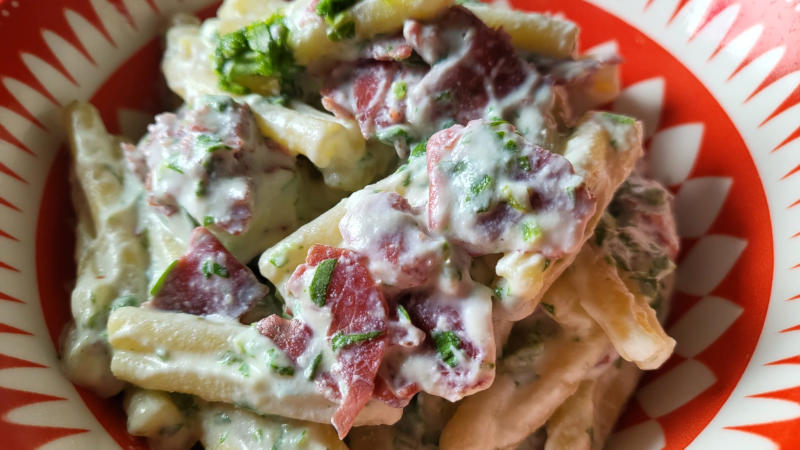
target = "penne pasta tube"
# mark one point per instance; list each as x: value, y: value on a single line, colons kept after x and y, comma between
x: 217, y: 361
x: 228, y: 428
x: 570, y: 427
x: 526, y: 391
x: 603, y: 149
x: 533, y: 32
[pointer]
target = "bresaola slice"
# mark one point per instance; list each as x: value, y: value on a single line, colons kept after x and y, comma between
x: 335, y: 284
x: 207, y: 279
x: 493, y: 191
x: 401, y: 252
x: 461, y: 71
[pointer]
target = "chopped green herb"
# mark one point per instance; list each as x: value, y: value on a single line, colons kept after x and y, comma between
x: 311, y: 370
x: 524, y: 163
x: 511, y: 145
x: 329, y: 8
x: 320, y: 281
x: 401, y: 310
x: 210, y: 143
x: 497, y: 122
x: 223, y: 437
x: 546, y: 265
x: 498, y: 292
x: 214, y: 268
x: 286, y: 371
x: 173, y: 165
x: 406, y: 180
x: 510, y: 199
x: 548, y: 307
x: 399, y: 89
x: 395, y: 133
x: 246, y: 57
x: 341, y: 27
x: 481, y: 185
x: 570, y: 190
x: 201, y: 190
x: 340, y: 340
x: 208, y: 220
x: 530, y: 231
x: 447, y: 344
x: 229, y: 358
x: 163, y: 278
x: 258, y: 434
x: 500, y: 134
x: 619, y: 119
x: 459, y: 167
x: 125, y: 300
x: 444, y: 96
x: 419, y: 149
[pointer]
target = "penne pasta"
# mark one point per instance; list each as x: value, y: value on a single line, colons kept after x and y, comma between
x: 217, y: 361
x: 533, y: 32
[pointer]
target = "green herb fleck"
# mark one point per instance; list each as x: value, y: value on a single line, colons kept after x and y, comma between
x: 530, y: 231
x: 201, y: 190
x: 510, y: 199
x: 548, y: 307
x: 208, y: 220
x: 619, y: 119
x: 210, y: 143
x: 447, y: 344
x: 481, y: 185
x: 399, y: 89
x: 511, y: 145
x: 286, y: 371
x: 401, y: 310
x: 173, y: 165
x: 340, y: 340
x: 444, y: 96
x: 125, y: 300
x: 459, y: 167
x: 246, y: 57
x: 524, y: 163
x: 497, y: 122
x: 341, y: 27
x: 214, y: 268
x: 546, y: 265
x: 311, y: 370
x: 222, y: 437
x: 258, y: 434
x: 419, y: 149
x: 320, y: 281
x: 163, y: 278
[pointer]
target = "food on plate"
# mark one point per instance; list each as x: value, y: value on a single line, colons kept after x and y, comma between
x: 371, y: 224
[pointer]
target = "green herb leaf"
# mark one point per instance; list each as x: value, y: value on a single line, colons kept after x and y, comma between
x: 530, y: 231
x: 286, y: 371
x: 214, y: 268
x: 548, y: 307
x: 311, y: 370
x: 163, y: 278
x: 329, y: 8
x: 125, y: 300
x: 447, y: 344
x: 399, y: 89
x: 342, y: 27
x: 208, y: 220
x: 320, y: 281
x: 402, y: 312
x: 481, y: 185
x: 510, y: 199
x: 246, y: 59
x: 210, y: 143
x: 619, y: 119
x: 340, y: 340
x: 419, y: 149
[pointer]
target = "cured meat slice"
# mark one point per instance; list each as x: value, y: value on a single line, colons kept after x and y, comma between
x: 493, y: 191
x: 207, y: 279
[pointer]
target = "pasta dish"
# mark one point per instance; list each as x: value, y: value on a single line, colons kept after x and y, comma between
x: 385, y: 224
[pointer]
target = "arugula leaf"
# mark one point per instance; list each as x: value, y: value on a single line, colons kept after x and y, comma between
x: 320, y: 281
x: 340, y: 340
x: 447, y: 344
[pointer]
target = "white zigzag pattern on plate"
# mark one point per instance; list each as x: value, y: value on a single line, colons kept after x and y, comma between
x: 126, y: 37
x: 732, y: 94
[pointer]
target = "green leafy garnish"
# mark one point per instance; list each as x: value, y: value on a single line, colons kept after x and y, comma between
x: 340, y: 23
x: 214, y: 268
x: 530, y: 231
x: 311, y: 370
x: 163, y: 278
x: 340, y: 340
x: 619, y: 119
x: 402, y: 312
x: 447, y: 344
x: 172, y: 164
x: 419, y: 149
x: 399, y: 89
x: 249, y: 58
x: 320, y: 281
x: 481, y: 185
x: 524, y: 163
x: 210, y: 143
x: 208, y: 220
x: 510, y: 199
x: 286, y: 371
x: 125, y: 300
